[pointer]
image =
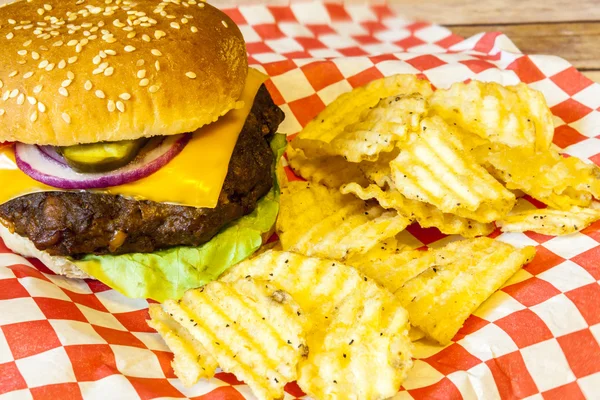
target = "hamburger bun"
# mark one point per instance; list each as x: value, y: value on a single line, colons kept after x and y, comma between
x: 59, y: 265
x: 89, y: 71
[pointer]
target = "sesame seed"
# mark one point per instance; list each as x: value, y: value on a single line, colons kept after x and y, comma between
x: 109, y: 71
x: 110, y: 39
x: 28, y: 75
x: 72, y: 60
x: 66, y: 83
x: 34, y: 116
x: 111, y: 106
x: 43, y: 64
x: 78, y: 48
x: 201, y: 5
x: 14, y: 93
x: 159, y: 34
x: 102, y: 54
x: 175, y: 25
x: 1, y: 84
x: 110, y: 52
x: 35, y: 55
x: 144, y: 82
x: 103, y: 66
x: 21, y: 99
x: 146, y: 38
x: 97, y: 60
x: 14, y: 73
x: 87, y: 85
x: 184, y: 21
x: 37, y: 89
x: 120, y: 106
x: 12, y: 21
x: 97, y: 71
x: 22, y: 52
x: 31, y: 100
x: 131, y: 35
x: 157, y: 65
x: 139, y: 63
x: 10, y: 35
x: 153, y: 89
x: 129, y: 49
x: 66, y: 118
x: 224, y: 24
x: 194, y: 29
x: 50, y: 67
x: 22, y: 62
x: 156, y: 52
x: 47, y: 7
x: 100, y: 94
x: 190, y: 75
x: 2, y: 112
x: 125, y: 96
x: 72, y: 42
x: 5, y: 95
x: 70, y: 75
x: 118, y: 23
x: 62, y: 64
x: 141, y: 74
x: 63, y: 92
x: 41, y: 107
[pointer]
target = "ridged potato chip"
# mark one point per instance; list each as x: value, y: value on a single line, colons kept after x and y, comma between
x: 253, y: 329
x: 348, y: 107
x: 317, y: 285
x: 363, y: 353
x: 345, y: 310
x: 559, y: 182
x: 425, y: 214
x: 516, y: 116
x: 318, y: 221
x: 378, y: 129
x: 440, y: 288
x: 465, y: 274
x: 332, y: 172
x: 191, y: 361
x: 393, y: 270
x: 549, y: 222
x: 435, y: 167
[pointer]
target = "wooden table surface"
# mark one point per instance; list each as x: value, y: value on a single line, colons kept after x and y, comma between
x: 569, y: 29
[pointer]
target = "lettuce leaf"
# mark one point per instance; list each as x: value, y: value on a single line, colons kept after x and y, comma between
x: 167, y: 274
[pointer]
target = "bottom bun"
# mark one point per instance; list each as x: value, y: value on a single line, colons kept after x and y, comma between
x: 58, y: 265
x: 26, y: 248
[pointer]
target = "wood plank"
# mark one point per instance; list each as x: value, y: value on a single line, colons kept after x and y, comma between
x: 593, y: 75
x: 575, y: 42
x: 463, y: 12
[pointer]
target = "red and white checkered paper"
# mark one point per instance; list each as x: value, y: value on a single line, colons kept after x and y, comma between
x: 535, y: 338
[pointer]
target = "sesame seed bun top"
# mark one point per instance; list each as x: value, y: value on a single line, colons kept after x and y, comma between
x: 86, y: 71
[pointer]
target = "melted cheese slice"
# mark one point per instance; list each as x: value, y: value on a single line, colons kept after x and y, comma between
x: 193, y: 178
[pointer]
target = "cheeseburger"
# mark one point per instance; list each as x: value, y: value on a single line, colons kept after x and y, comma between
x: 139, y: 148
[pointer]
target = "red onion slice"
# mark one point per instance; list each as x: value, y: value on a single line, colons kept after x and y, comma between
x: 44, y: 168
x: 51, y: 152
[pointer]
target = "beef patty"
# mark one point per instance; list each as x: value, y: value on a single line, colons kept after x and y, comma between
x: 79, y: 223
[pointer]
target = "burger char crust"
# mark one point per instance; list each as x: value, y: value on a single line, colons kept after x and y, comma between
x: 79, y: 223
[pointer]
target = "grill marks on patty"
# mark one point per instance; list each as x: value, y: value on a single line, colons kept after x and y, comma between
x: 79, y: 223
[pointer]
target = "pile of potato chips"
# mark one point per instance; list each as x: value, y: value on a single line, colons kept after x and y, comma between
x: 336, y: 303
x: 456, y: 159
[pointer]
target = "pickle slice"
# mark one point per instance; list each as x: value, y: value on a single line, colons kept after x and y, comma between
x: 101, y: 157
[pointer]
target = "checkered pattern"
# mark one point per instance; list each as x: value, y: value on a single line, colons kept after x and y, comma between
x: 538, y: 337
